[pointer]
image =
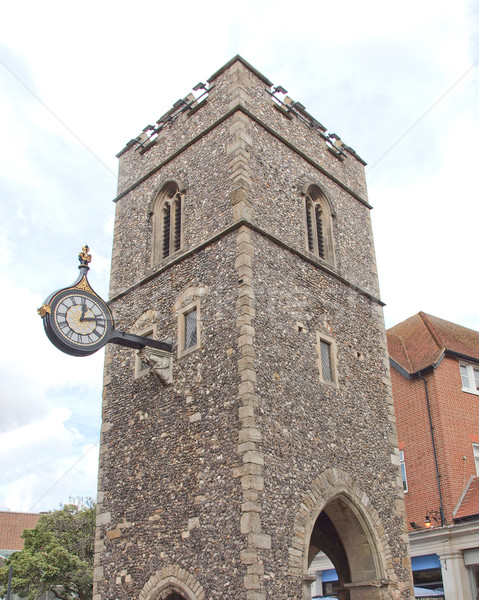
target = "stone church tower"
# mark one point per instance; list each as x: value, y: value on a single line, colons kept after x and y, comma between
x: 243, y: 236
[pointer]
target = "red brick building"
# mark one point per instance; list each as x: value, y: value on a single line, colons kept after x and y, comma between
x: 435, y: 381
x: 12, y: 525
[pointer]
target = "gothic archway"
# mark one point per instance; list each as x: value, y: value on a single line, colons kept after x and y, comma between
x: 171, y: 596
x: 342, y: 533
x: 172, y: 583
x: 336, y: 517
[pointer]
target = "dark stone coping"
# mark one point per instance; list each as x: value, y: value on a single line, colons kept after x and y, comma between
x: 266, y: 128
x: 224, y: 232
x: 245, y: 63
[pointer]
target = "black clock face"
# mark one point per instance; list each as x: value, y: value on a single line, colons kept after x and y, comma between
x: 79, y: 323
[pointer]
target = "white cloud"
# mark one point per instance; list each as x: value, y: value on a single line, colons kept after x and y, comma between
x: 29, y: 358
x: 45, y: 462
x: 45, y: 398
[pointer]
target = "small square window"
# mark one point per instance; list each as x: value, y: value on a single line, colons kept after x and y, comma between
x: 326, y: 349
x: 469, y: 378
x: 189, y: 328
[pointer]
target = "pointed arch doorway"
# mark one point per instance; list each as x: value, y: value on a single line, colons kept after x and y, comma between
x: 343, y: 534
x: 171, y: 593
x: 172, y: 583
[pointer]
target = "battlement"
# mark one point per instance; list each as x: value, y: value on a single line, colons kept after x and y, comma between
x: 201, y: 92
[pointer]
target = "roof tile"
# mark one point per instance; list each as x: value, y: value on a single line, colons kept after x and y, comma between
x: 469, y: 505
x: 12, y: 525
x: 420, y: 341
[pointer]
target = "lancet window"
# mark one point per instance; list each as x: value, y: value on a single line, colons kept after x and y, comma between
x: 318, y: 223
x: 167, y: 222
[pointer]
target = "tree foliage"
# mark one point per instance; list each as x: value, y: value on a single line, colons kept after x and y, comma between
x: 57, y: 556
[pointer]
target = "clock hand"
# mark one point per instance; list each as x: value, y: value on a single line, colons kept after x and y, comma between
x: 83, y: 311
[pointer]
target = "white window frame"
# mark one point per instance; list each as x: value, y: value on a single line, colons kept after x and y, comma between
x: 472, y: 378
x: 475, y: 452
x: 320, y: 337
x: 403, y: 471
x: 182, y: 349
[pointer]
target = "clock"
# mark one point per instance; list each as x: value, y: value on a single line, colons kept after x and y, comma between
x: 79, y: 322
x: 76, y: 320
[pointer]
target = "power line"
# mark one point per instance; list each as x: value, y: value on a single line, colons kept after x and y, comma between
x: 64, y: 475
x: 422, y: 117
x: 57, y: 118
x: 95, y: 445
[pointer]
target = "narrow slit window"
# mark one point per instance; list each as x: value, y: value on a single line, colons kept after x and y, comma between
x: 177, y: 234
x: 327, y: 359
x: 166, y: 230
x: 309, y: 226
x: 326, y: 369
x: 319, y: 230
x: 191, y: 329
x: 189, y: 326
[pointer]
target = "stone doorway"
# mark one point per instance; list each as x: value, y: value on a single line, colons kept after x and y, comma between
x: 171, y: 594
x: 341, y: 532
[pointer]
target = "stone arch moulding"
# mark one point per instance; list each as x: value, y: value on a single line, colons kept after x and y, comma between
x: 319, y: 217
x: 166, y: 214
x: 331, y: 486
x: 172, y: 580
x: 144, y: 321
x: 188, y: 295
x: 310, y: 183
x: 182, y: 187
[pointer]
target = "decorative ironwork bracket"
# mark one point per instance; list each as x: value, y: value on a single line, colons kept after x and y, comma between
x: 137, y: 341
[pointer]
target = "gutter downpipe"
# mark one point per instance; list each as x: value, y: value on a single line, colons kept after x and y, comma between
x: 9, y: 587
x: 431, y: 427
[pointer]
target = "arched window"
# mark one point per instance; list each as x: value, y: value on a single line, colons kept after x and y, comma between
x: 167, y: 226
x: 318, y: 223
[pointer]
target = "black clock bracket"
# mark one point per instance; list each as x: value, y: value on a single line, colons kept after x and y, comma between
x: 78, y: 322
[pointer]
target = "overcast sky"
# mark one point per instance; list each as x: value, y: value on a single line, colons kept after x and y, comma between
x: 398, y: 82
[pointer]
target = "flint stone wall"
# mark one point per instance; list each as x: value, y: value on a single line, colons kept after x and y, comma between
x: 202, y: 483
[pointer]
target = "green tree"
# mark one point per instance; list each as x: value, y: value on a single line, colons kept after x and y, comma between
x: 57, y: 556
